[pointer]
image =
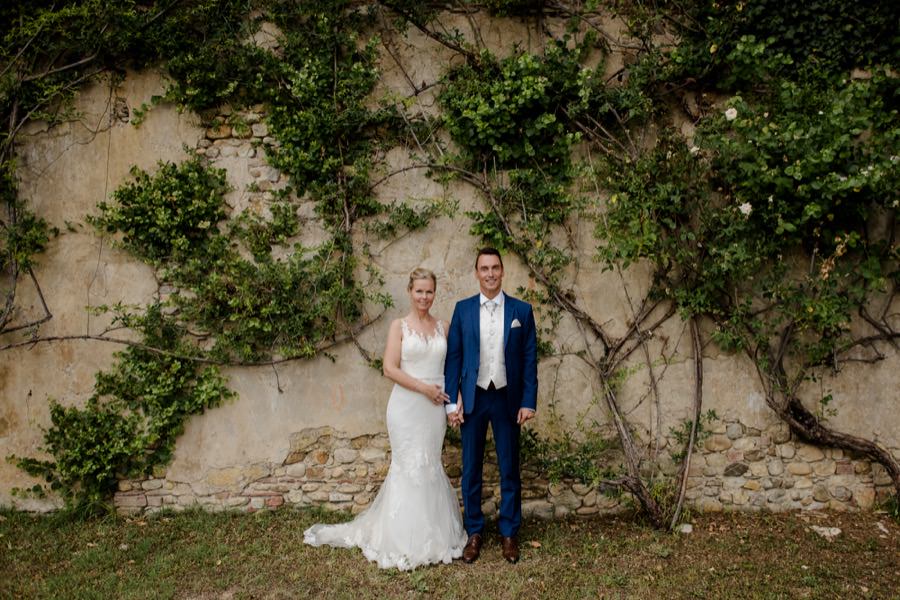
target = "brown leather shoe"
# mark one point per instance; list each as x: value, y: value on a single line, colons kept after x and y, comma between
x: 510, y: 547
x: 473, y: 548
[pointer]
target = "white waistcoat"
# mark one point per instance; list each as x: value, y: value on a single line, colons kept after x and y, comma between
x: 492, y: 364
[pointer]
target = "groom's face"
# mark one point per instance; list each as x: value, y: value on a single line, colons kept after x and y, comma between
x: 489, y: 273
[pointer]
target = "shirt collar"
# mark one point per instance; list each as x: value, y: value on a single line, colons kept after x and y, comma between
x: 498, y: 299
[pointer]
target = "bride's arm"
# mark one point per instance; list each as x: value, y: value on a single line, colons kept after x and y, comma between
x: 391, y: 368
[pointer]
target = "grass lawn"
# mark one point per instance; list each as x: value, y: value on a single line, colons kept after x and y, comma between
x: 230, y: 555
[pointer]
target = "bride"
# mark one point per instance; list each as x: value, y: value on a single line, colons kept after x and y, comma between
x: 415, y: 518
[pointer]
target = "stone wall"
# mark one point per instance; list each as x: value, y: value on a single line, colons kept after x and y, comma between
x: 312, y: 432
x: 737, y: 468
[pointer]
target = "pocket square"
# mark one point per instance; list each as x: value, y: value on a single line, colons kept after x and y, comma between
x: 515, y: 323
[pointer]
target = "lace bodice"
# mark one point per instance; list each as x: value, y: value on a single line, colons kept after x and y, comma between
x: 421, y: 356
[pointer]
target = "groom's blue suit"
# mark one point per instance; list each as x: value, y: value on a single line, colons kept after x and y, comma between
x: 499, y: 407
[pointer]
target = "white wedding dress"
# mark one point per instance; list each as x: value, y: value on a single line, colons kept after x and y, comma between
x: 415, y: 518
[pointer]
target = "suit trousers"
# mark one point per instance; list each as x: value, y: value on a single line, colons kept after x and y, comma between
x: 491, y: 407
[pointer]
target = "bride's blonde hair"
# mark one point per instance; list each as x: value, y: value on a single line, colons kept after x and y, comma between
x: 421, y: 273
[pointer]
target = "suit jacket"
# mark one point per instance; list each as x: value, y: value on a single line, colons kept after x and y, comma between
x: 519, y: 351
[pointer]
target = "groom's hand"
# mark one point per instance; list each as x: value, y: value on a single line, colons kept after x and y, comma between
x: 525, y: 414
x: 458, y: 418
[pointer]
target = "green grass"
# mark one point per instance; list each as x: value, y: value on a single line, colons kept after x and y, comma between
x: 229, y: 555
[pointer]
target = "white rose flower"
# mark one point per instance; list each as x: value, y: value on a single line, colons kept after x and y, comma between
x: 746, y: 208
x: 694, y: 150
x: 731, y: 114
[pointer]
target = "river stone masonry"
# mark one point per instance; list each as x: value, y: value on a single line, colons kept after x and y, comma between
x: 737, y: 468
x: 743, y: 468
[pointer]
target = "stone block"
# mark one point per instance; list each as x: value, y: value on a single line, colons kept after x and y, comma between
x: 130, y: 500
x: 864, y: 496
x: 780, y: 433
x: 588, y: 510
x: 880, y: 475
x: 754, y: 455
x: 803, y: 483
x: 717, y: 443
x: 561, y: 512
x: 567, y: 498
x: 841, y: 493
x: 752, y: 485
x: 581, y: 489
x: 339, y: 497
x: 152, y: 484
x: 820, y: 494
x: 823, y: 468
x: 260, y: 130
x: 843, y: 466
x: 537, y: 508
x: 274, y: 501
x: 224, y: 478
x: 734, y: 455
x: 733, y: 483
x: 799, y: 468
x: 349, y: 488
x: 371, y: 455
x: 759, y: 469
x: 736, y: 469
x: 734, y: 431
x: 304, y: 440
x: 236, y: 501
x: 345, y: 455
x: 775, y: 467
x: 219, y: 132
x: 296, y: 470
x: 715, y: 461
x: 775, y: 496
x: 786, y: 451
x: 709, y: 505
x: 809, y: 453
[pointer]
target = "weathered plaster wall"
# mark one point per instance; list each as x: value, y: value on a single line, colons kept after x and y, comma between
x: 313, y: 431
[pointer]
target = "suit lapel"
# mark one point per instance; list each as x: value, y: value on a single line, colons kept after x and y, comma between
x: 508, y: 316
x: 475, y: 319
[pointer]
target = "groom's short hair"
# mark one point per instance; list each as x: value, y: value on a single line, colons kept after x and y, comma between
x: 488, y: 251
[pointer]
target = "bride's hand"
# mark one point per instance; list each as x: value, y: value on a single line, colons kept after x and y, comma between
x: 436, y: 394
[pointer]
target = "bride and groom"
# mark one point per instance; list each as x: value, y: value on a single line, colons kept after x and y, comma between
x: 487, y: 358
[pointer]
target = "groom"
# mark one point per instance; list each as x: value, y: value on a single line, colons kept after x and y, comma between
x: 492, y: 363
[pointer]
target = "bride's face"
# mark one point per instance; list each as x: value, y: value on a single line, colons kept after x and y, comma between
x: 421, y: 295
